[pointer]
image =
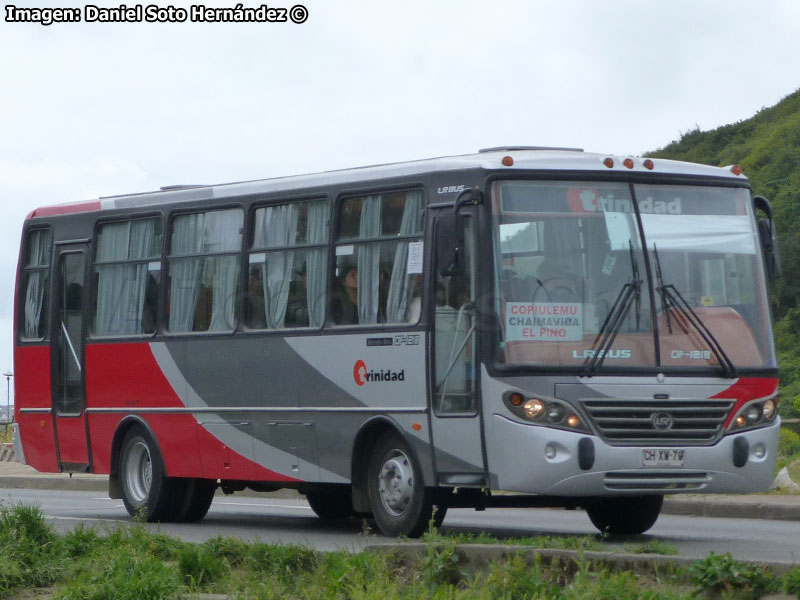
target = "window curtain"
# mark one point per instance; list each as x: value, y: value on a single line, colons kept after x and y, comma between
x: 316, y: 233
x: 401, y: 286
x: 278, y: 227
x: 40, y: 249
x: 223, y: 233
x: 369, y: 261
x: 121, y: 287
x: 185, y: 273
x: 34, y: 302
x: 38, y: 255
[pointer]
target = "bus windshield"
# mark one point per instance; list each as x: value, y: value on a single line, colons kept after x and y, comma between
x: 578, y: 285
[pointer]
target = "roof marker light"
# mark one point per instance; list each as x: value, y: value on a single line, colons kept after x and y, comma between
x: 648, y: 164
x: 609, y: 162
x: 736, y: 170
x: 628, y: 162
x: 508, y: 161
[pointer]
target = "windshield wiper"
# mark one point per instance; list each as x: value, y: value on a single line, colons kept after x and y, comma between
x: 629, y: 295
x: 672, y: 298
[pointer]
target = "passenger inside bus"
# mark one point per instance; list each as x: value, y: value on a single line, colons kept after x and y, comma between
x: 344, y: 305
x: 555, y: 281
x: 255, y: 315
x: 297, y: 306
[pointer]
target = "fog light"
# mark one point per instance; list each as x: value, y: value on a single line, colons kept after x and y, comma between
x: 534, y: 408
x: 759, y: 451
x: 769, y: 409
x: 550, y: 452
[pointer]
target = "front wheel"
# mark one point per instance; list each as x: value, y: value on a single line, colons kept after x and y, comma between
x: 625, y: 516
x: 400, y: 502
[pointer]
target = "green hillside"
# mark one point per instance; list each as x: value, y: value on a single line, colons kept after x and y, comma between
x: 767, y: 146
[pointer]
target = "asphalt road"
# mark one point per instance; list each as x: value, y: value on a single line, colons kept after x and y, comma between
x: 292, y: 521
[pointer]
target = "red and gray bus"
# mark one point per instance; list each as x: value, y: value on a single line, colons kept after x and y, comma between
x: 582, y: 330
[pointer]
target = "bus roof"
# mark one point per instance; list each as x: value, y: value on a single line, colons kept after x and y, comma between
x: 530, y: 158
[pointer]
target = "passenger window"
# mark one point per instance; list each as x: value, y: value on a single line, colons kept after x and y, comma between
x: 203, y: 269
x: 379, y: 259
x: 127, y: 278
x: 287, y: 266
x: 35, y: 282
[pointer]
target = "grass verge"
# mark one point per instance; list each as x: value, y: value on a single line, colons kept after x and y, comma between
x: 130, y: 562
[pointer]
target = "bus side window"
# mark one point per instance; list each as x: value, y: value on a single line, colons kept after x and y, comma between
x: 36, y: 276
x: 288, y: 266
x: 128, y: 278
x: 376, y: 234
x: 203, y: 269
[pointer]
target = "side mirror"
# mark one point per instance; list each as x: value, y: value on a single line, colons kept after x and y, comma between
x: 767, y: 238
x: 448, y: 243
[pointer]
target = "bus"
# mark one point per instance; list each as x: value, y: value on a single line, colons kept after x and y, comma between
x: 523, y: 326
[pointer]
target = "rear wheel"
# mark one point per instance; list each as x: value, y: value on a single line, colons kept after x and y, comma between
x: 146, y: 490
x: 336, y: 503
x: 197, y: 497
x: 625, y: 516
x: 400, y: 502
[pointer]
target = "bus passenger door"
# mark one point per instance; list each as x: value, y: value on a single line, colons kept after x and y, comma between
x: 455, y: 401
x: 69, y: 392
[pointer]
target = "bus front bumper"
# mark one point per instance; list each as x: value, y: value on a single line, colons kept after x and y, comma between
x: 539, y: 460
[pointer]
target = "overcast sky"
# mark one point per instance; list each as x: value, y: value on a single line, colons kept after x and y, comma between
x: 96, y: 109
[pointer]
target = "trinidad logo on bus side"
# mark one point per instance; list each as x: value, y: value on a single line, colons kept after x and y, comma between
x: 362, y: 375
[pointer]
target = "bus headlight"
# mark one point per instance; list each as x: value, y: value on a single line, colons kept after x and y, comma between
x: 555, y: 413
x: 769, y: 409
x: 753, y: 414
x: 756, y: 414
x: 534, y: 408
x: 551, y: 412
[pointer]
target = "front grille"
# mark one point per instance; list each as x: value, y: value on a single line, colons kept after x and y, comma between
x: 664, y: 481
x: 631, y: 422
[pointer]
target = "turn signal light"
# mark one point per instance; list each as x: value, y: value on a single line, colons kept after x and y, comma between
x: 741, y: 420
x: 516, y: 399
x: 573, y: 421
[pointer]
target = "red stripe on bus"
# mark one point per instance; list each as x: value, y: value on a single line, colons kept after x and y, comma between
x: 65, y: 209
x: 745, y: 390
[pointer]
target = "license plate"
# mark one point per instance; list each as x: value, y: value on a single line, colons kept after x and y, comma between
x: 662, y: 457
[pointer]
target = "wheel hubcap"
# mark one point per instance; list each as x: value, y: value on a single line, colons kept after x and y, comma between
x: 139, y: 472
x: 396, y: 482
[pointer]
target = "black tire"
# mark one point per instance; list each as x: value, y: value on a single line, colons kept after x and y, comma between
x: 332, y: 504
x: 197, y: 497
x: 625, y: 516
x: 401, y: 504
x: 146, y: 490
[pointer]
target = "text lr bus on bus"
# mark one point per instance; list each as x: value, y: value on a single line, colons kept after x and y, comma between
x: 583, y: 330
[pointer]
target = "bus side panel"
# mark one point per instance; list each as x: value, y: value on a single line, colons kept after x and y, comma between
x: 32, y: 385
x: 127, y: 379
